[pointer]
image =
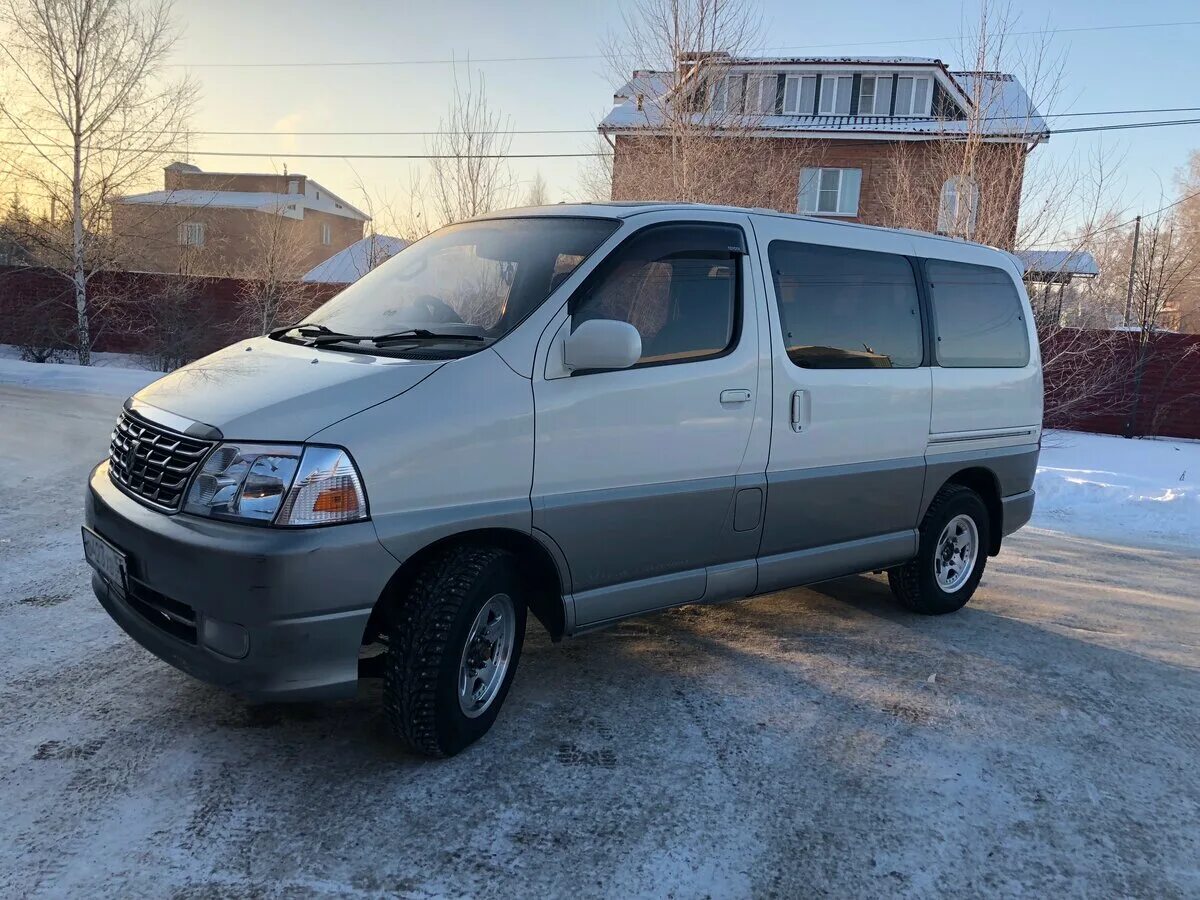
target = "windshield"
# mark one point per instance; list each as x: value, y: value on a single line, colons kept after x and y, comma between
x: 475, y: 281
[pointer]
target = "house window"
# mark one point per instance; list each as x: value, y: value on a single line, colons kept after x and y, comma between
x: 875, y: 95
x: 800, y: 95
x: 835, y: 94
x: 760, y: 94
x: 959, y: 207
x: 191, y: 234
x: 326, y: 234
x: 730, y: 94
x: 318, y: 195
x: 293, y: 187
x: 913, y: 96
x: 829, y: 192
x: 750, y: 94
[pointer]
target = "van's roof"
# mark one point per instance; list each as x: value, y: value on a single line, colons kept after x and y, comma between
x: 623, y: 209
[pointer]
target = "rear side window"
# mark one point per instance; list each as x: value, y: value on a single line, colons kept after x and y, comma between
x: 677, y: 285
x: 846, y: 309
x: 977, y: 316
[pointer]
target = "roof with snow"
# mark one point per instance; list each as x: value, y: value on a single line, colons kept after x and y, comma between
x: 1077, y: 263
x: 261, y: 200
x: 349, y: 265
x: 314, y: 197
x: 993, y: 101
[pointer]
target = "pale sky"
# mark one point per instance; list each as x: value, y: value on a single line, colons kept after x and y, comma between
x: 1116, y: 69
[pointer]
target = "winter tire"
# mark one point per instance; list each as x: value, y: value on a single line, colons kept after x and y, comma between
x: 951, y: 554
x: 453, y: 649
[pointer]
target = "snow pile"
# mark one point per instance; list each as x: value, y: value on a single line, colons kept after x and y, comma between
x: 1127, y: 490
x: 107, y: 380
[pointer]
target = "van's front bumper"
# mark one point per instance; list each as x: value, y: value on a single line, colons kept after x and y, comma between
x: 272, y: 614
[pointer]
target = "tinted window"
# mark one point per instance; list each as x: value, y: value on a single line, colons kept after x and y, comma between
x: 977, y: 316
x: 677, y: 285
x: 846, y: 309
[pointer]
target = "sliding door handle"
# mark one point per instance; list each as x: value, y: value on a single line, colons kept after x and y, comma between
x: 739, y: 395
x: 801, y: 410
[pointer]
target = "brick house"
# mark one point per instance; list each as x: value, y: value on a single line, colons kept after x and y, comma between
x: 833, y: 137
x: 216, y: 223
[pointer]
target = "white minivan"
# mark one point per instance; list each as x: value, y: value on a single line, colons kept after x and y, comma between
x: 584, y: 412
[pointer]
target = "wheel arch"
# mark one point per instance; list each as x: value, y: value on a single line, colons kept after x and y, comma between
x: 984, y: 482
x: 547, y: 596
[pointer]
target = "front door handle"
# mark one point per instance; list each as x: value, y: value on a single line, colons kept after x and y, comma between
x: 740, y: 395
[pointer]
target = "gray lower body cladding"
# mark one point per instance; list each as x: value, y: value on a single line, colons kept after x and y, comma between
x: 639, y: 549
x: 298, y: 600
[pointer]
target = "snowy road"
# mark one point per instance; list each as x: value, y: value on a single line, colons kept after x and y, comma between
x: 1044, y: 740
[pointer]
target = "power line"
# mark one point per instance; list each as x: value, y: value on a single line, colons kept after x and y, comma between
x: 1161, y: 209
x: 291, y: 155
x: 947, y: 136
x: 311, y: 64
x: 546, y: 131
x: 1123, y: 125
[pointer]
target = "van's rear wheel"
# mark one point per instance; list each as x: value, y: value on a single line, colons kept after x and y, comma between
x: 951, y: 554
x: 453, y: 649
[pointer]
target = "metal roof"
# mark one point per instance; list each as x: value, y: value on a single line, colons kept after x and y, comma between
x: 1077, y: 263
x: 1005, y: 110
x: 348, y: 265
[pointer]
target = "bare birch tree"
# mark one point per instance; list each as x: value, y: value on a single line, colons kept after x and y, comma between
x: 92, y: 113
x: 470, y: 173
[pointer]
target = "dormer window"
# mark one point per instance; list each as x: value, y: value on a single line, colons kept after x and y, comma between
x: 737, y: 94
x: 836, y: 91
x: 875, y: 95
x: 800, y: 95
x: 760, y: 93
x: 913, y: 95
x: 825, y: 94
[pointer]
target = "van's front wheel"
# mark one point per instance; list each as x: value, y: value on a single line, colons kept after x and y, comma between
x: 453, y: 649
x: 951, y: 554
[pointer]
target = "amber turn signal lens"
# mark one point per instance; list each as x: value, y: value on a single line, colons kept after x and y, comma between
x: 339, y: 499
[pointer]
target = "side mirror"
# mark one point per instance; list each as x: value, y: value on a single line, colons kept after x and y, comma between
x: 602, y: 344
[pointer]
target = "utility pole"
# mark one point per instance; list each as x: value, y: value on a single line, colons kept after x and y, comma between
x: 1137, y: 233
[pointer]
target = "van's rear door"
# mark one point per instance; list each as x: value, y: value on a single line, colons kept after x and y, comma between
x: 851, y: 406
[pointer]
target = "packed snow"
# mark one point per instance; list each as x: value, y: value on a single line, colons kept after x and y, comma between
x: 111, y: 375
x: 1132, y: 491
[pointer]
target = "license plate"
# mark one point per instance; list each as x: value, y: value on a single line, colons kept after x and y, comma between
x: 104, y: 557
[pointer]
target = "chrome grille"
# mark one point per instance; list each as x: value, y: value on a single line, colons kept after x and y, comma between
x: 152, y: 463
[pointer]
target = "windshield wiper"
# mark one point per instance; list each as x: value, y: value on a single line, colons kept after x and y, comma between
x: 319, y: 335
x: 300, y: 326
x: 381, y: 340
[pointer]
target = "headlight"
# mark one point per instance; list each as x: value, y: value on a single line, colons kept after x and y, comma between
x: 286, y: 484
